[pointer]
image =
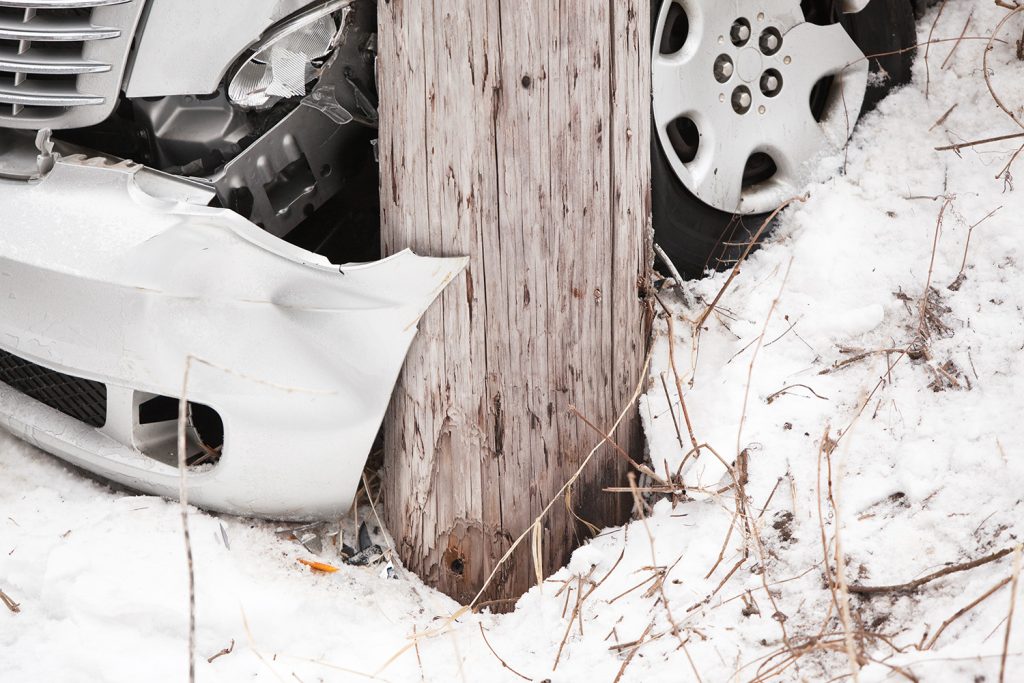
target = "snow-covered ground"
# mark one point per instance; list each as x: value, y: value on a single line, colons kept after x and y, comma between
x: 874, y: 428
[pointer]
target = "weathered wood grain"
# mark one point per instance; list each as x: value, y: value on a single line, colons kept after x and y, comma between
x: 515, y: 132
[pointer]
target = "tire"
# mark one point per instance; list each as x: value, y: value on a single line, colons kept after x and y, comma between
x: 698, y: 237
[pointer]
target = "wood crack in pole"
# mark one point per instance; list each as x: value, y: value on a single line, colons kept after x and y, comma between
x: 517, y: 134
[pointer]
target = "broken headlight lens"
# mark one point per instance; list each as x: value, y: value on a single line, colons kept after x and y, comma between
x: 287, y: 59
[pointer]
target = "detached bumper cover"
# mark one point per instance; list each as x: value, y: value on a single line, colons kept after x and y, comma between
x: 103, y: 281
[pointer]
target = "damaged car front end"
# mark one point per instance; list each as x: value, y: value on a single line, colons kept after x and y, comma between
x: 177, y: 183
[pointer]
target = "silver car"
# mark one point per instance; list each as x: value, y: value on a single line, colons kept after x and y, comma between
x: 188, y: 217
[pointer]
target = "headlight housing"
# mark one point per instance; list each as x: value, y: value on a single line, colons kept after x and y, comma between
x: 286, y: 60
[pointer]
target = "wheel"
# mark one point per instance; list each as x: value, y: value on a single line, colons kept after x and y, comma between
x: 744, y: 103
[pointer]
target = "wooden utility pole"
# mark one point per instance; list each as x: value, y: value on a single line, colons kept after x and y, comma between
x: 515, y: 132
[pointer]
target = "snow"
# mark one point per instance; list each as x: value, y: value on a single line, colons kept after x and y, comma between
x: 927, y: 471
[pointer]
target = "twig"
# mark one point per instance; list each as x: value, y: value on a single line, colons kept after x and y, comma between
x: 618, y: 647
x: 721, y: 584
x: 901, y: 354
x: 568, y: 626
x: 672, y: 270
x: 855, y: 359
x: 672, y: 413
x: 775, y: 583
x: 693, y: 666
x: 942, y: 119
x: 911, y: 586
x: 849, y: 639
x: 660, y: 573
x: 483, y: 635
x: 784, y: 390
x: 183, y: 507
x: 746, y: 252
x: 644, y: 469
x: 959, y: 40
x: 770, y: 496
x: 630, y: 590
x: 725, y: 545
x: 825, y: 445
x: 964, y: 610
x: 226, y: 651
x: 963, y: 264
x: 974, y: 143
x: 679, y: 382
x: 1004, y: 172
x: 629, y: 657
x: 380, y: 523
x: 927, y: 70
x: 915, y: 47
x: 9, y: 602
x: 922, y: 324
x: 419, y: 659
x: 985, y: 67
x: 791, y: 326
x: 1009, y: 616
x: 604, y: 578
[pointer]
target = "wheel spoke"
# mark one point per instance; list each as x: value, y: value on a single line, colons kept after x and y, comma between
x: 683, y: 85
x: 796, y: 142
x: 819, y: 51
x: 717, y: 175
x: 816, y: 52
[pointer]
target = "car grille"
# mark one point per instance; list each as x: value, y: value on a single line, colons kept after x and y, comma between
x: 79, y: 398
x: 62, y: 61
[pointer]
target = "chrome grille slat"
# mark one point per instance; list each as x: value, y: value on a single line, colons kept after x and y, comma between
x: 61, y: 4
x: 43, y: 95
x: 62, y: 61
x: 47, y: 29
x: 34, y: 61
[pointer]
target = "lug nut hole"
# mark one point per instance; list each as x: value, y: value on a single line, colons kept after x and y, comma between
x: 740, y: 32
x: 723, y: 68
x: 770, y: 41
x: 771, y: 83
x: 741, y: 99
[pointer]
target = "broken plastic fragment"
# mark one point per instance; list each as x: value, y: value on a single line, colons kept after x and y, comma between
x: 44, y: 144
x: 319, y: 566
x: 324, y: 100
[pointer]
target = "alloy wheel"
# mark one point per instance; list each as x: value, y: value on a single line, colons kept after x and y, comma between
x: 745, y: 101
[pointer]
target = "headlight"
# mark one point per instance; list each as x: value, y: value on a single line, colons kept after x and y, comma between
x: 284, y: 61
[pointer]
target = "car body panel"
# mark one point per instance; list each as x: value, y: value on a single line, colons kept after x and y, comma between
x: 186, y: 46
x: 101, y: 280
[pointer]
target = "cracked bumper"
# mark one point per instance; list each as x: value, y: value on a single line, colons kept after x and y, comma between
x: 104, y: 281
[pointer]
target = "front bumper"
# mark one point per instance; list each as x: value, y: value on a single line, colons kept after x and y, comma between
x: 104, y: 281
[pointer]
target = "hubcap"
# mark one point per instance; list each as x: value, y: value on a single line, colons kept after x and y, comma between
x: 733, y: 103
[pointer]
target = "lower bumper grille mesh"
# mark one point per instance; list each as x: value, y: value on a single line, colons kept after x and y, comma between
x: 79, y: 398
